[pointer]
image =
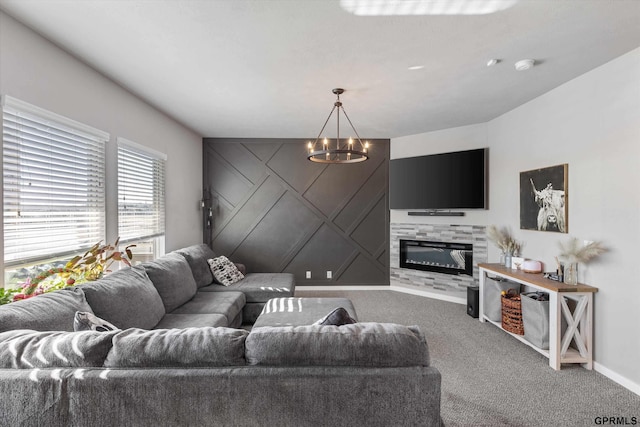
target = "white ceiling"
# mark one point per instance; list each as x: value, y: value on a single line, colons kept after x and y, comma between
x: 265, y: 68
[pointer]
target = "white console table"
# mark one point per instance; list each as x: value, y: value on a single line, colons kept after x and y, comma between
x: 579, y: 319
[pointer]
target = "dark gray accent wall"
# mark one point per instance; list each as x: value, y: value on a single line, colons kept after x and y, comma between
x: 276, y: 211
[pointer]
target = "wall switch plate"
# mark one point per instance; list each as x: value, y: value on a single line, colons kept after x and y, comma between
x: 308, y: 275
x: 329, y: 274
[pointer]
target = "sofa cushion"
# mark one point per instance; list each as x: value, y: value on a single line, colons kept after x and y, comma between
x: 224, y: 271
x: 85, y: 321
x: 52, y: 311
x: 197, y: 256
x: 357, y: 344
x: 171, y: 275
x: 125, y: 298
x: 191, y: 347
x: 259, y: 287
x: 28, y: 349
x: 183, y: 321
x: 229, y: 304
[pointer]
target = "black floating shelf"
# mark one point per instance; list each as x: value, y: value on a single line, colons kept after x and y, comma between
x: 436, y: 213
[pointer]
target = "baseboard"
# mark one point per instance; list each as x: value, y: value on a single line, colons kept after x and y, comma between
x: 423, y: 293
x: 303, y: 288
x: 614, y: 376
x: 395, y: 288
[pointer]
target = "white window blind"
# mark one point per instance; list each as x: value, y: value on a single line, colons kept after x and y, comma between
x: 141, y: 174
x: 53, y: 171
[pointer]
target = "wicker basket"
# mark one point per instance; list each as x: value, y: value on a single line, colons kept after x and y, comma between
x: 512, y: 313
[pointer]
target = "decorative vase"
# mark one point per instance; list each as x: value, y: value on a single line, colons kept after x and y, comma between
x: 507, y: 260
x: 571, y: 273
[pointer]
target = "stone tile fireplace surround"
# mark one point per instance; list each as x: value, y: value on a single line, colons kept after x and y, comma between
x: 433, y: 282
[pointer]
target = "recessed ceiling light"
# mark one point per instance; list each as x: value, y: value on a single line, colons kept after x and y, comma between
x: 492, y: 62
x: 416, y: 67
x: 424, y: 7
x: 525, y: 64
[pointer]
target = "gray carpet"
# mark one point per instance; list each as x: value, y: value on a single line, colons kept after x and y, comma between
x: 488, y: 377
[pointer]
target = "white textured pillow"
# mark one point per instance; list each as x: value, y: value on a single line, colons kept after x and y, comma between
x: 225, y: 271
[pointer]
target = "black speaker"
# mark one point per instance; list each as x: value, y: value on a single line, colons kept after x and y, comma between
x: 473, y: 301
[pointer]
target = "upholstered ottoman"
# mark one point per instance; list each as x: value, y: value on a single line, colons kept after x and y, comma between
x: 300, y: 311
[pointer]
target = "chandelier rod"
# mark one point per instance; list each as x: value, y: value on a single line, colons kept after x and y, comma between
x: 351, y: 124
x: 339, y: 105
x: 325, y: 124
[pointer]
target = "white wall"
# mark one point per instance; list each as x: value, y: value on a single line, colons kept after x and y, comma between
x: 443, y: 141
x: 35, y: 71
x: 593, y: 124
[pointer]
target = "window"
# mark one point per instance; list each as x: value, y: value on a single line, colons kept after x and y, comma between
x: 53, y: 188
x: 141, y: 174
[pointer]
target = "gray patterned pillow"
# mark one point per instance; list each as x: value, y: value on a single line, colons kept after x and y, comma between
x: 84, y: 321
x: 225, y: 271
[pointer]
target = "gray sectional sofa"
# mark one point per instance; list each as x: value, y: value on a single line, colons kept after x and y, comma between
x: 179, y: 357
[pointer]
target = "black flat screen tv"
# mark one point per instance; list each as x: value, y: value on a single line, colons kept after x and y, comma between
x: 456, y: 180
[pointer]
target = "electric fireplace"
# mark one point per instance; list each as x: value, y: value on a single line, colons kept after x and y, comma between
x: 442, y: 257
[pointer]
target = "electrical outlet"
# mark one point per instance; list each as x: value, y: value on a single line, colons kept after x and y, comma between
x: 308, y: 275
x: 329, y: 274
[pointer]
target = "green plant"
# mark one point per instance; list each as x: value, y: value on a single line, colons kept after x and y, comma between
x: 88, y: 267
x: 6, y: 295
x: 97, y: 260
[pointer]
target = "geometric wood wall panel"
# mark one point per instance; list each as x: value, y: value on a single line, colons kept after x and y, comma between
x: 286, y: 224
x: 275, y: 211
x: 237, y: 228
x: 371, y: 232
x: 338, y: 184
x: 230, y: 184
x: 363, y: 269
x: 324, y: 248
x: 298, y: 174
x: 370, y: 192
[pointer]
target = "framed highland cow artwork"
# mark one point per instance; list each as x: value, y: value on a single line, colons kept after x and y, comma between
x: 544, y: 199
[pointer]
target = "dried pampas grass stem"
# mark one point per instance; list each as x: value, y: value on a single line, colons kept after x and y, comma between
x: 573, y: 251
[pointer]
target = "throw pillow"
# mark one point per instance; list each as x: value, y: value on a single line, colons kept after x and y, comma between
x: 85, y: 321
x: 225, y: 271
x: 337, y: 317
